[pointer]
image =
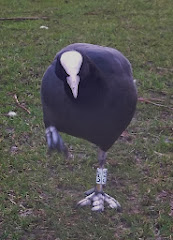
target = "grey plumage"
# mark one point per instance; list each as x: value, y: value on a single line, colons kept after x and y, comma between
x: 106, y: 100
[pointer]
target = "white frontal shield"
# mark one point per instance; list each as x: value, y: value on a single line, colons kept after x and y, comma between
x: 71, y: 62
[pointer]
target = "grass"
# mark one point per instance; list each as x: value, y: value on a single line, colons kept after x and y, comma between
x: 38, y: 193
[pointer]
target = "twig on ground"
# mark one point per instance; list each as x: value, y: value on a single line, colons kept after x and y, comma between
x: 162, y: 154
x: 165, y: 69
x: 156, y: 99
x: 22, y: 18
x: 141, y: 99
x: 20, y: 105
x: 77, y: 151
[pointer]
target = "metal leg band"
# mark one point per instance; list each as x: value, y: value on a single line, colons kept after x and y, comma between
x: 101, y: 176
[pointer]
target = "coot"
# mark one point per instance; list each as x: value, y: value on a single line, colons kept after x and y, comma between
x: 88, y: 92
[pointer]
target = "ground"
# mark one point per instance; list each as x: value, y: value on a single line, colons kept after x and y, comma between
x: 38, y: 192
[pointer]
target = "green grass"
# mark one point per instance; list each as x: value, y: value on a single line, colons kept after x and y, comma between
x: 38, y: 192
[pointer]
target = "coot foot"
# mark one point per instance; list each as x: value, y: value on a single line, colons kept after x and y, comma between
x: 97, y: 200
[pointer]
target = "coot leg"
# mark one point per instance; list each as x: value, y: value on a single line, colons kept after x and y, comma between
x: 96, y: 196
x: 55, y: 141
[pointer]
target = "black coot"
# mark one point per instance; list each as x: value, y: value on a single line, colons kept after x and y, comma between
x: 88, y: 92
